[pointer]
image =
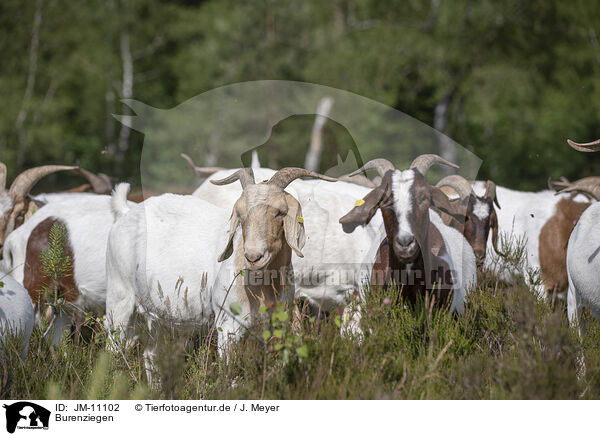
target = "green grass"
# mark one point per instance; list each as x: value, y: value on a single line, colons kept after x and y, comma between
x: 507, y: 345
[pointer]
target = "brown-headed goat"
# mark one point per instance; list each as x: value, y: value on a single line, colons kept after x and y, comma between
x: 419, y: 251
x: 480, y: 215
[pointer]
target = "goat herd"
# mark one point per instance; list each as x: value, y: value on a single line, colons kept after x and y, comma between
x: 216, y: 256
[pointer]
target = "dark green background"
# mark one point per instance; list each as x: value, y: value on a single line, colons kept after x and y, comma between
x: 518, y: 77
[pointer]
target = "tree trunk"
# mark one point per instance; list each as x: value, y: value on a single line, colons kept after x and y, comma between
x: 440, y: 119
x: 29, y: 87
x: 126, y: 86
x: 313, y: 157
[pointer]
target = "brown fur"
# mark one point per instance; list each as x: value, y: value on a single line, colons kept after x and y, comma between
x: 554, y: 238
x: 475, y: 230
x: 34, y: 279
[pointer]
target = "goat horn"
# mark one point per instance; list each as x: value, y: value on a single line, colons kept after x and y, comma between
x: 244, y: 175
x: 358, y: 179
x: 556, y: 186
x: 25, y: 181
x: 425, y: 161
x: 586, y: 147
x: 200, y: 172
x: 2, y: 177
x: 462, y: 187
x: 381, y: 165
x: 285, y: 176
x: 101, y: 183
x: 589, y: 186
x: 490, y: 192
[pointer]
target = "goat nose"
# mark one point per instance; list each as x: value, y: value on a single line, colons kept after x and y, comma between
x: 253, y: 256
x: 405, y: 239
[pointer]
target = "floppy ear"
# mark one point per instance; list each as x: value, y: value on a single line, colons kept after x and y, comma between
x: 494, y: 227
x: 363, y: 210
x: 38, y: 203
x: 293, y: 225
x: 441, y: 202
x: 234, y: 222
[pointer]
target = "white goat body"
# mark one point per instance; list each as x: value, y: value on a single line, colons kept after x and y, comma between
x: 162, y: 259
x: 583, y: 265
x: 162, y: 262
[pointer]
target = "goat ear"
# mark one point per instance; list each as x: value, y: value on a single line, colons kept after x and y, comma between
x: 455, y: 209
x: 234, y: 222
x: 363, y: 210
x: 293, y: 225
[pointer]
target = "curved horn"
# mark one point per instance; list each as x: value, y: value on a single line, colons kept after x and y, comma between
x: 25, y: 181
x: 490, y: 192
x: 462, y: 187
x: 200, y: 172
x: 381, y: 165
x: 244, y: 175
x: 556, y: 186
x: 358, y: 179
x: 589, y: 186
x: 586, y: 147
x: 425, y: 161
x: 2, y: 177
x: 285, y: 176
x: 101, y: 183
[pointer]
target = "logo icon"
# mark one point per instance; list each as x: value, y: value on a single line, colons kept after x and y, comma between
x: 26, y: 415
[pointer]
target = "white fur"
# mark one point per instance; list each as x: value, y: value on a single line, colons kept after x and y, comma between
x: 583, y: 265
x: 402, y: 182
x: 16, y: 312
x: 522, y: 216
x: 6, y: 203
x: 335, y: 263
x: 169, y: 242
x: 481, y: 209
x: 118, y: 202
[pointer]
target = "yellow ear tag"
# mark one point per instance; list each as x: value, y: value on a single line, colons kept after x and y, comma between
x: 300, y: 219
x: 359, y: 203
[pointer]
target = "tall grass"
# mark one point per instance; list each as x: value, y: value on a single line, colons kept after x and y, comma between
x: 507, y: 345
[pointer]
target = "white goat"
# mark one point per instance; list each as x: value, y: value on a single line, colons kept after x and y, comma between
x: 583, y: 266
x: 163, y: 256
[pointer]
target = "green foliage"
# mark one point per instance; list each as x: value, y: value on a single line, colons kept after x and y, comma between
x: 518, y: 78
x: 55, y: 263
x: 281, y: 333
